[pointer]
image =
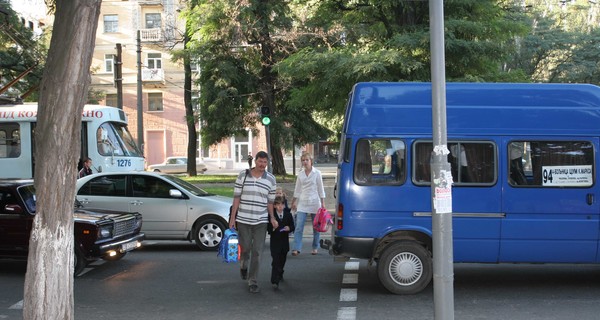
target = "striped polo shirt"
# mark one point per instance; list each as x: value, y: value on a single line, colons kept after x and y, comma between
x: 258, y: 192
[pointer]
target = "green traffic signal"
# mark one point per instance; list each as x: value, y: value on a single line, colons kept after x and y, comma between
x: 266, y: 121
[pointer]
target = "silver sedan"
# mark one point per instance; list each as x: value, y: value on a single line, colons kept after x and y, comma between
x: 176, y: 165
x: 172, y: 209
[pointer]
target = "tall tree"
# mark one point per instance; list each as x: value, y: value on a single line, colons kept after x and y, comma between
x: 190, y: 117
x: 238, y: 43
x: 63, y: 92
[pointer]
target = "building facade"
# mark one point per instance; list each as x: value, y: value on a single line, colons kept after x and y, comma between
x: 164, y: 128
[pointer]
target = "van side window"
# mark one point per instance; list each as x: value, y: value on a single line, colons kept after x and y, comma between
x: 379, y: 162
x: 551, y: 163
x: 472, y: 163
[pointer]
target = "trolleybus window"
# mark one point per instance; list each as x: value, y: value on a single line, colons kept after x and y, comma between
x: 115, y: 139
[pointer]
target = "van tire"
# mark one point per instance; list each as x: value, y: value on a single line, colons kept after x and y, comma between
x: 405, y: 267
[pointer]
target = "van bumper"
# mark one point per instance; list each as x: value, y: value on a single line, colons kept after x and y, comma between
x: 361, y: 248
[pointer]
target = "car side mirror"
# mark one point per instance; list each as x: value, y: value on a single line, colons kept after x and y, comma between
x: 13, y: 208
x: 174, y: 193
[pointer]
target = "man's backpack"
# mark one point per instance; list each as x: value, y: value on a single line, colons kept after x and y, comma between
x: 229, y: 248
x: 322, y: 220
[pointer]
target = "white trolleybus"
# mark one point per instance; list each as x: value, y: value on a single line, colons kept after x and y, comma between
x: 104, y: 138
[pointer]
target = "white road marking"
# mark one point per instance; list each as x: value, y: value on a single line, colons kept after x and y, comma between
x: 18, y: 305
x: 350, y: 278
x: 350, y: 294
x: 346, y: 313
x: 352, y: 265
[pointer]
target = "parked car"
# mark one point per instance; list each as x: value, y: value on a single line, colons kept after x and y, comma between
x: 172, y: 208
x: 99, y: 234
x: 177, y: 165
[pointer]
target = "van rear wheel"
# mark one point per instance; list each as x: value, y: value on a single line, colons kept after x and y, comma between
x: 405, y: 268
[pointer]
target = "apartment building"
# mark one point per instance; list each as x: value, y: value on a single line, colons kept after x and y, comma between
x: 164, y: 128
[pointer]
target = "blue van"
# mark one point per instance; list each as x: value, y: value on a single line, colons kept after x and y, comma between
x: 523, y: 159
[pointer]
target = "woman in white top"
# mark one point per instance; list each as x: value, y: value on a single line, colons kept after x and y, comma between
x: 309, y: 196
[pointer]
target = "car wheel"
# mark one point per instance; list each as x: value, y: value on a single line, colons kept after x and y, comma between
x: 405, y: 268
x: 208, y: 234
x: 80, y: 262
x: 116, y: 257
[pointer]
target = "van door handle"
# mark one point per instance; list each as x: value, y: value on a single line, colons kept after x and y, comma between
x: 590, y: 199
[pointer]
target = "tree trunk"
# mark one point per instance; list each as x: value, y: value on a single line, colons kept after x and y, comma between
x: 190, y: 119
x: 277, y: 158
x: 49, y: 279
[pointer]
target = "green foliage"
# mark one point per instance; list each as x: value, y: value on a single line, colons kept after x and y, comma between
x: 389, y: 41
x: 20, y: 49
x: 322, y: 48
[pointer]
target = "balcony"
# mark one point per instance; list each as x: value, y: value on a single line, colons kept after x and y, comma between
x: 150, y: 35
x: 150, y: 2
x: 153, y: 75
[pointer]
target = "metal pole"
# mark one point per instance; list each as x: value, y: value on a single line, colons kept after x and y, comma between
x: 441, y: 182
x: 118, y: 69
x: 268, y: 135
x: 140, y: 108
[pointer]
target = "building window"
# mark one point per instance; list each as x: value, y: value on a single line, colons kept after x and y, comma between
x: 111, y: 100
x: 154, y: 61
x: 111, y: 23
x: 152, y: 20
x: 155, y: 101
x: 109, y: 62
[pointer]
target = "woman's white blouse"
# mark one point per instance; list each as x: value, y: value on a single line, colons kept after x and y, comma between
x: 309, y: 191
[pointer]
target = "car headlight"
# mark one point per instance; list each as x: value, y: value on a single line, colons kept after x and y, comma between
x: 138, y: 223
x: 105, y: 232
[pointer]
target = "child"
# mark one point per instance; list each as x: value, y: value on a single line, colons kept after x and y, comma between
x: 279, y: 193
x: 280, y: 243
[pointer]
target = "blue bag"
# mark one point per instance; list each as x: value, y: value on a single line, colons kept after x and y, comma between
x: 229, y: 249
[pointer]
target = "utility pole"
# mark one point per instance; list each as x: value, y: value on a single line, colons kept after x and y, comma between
x: 140, y: 105
x: 119, y: 76
x: 268, y: 134
x: 441, y: 182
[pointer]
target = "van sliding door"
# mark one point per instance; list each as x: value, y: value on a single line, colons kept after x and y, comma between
x: 550, y: 200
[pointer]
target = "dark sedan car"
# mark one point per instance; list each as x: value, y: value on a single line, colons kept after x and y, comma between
x: 99, y: 234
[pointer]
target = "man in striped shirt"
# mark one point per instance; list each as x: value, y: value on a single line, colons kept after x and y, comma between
x: 252, y: 210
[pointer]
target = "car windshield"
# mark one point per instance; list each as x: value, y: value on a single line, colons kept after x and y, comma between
x: 187, y: 186
x: 27, y: 193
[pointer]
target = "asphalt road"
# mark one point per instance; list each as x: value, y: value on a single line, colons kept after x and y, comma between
x: 172, y: 280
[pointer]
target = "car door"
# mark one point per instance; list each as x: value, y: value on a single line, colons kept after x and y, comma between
x: 105, y: 192
x: 164, y: 216
x: 15, y: 227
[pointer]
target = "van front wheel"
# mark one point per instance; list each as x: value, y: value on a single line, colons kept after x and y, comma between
x: 405, y: 268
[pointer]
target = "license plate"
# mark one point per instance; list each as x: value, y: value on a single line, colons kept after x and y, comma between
x: 129, y: 246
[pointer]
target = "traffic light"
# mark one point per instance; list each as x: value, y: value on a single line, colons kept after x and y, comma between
x: 265, y: 115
